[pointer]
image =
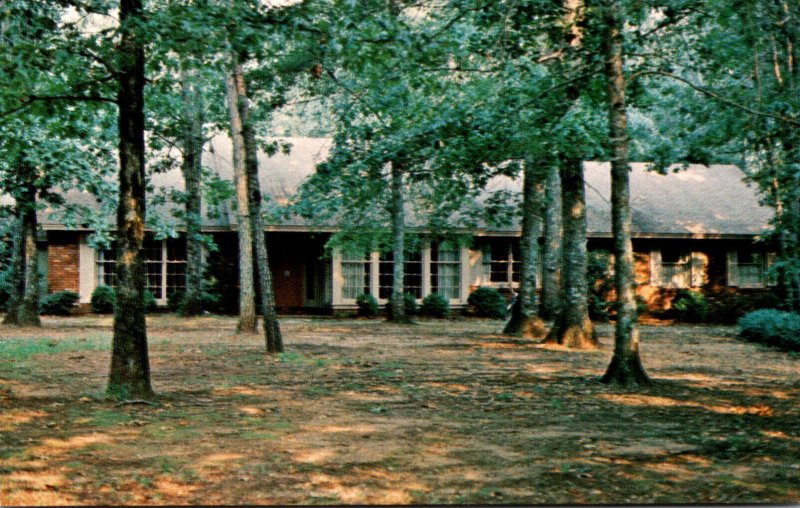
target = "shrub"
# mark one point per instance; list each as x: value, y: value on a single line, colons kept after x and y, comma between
x: 175, y: 300
x: 104, y: 298
x: 367, y: 305
x: 600, y: 283
x: 409, y: 302
x: 772, y: 327
x: 488, y: 302
x: 59, y: 304
x: 690, y: 306
x: 435, y: 305
x: 728, y: 308
x: 150, y: 303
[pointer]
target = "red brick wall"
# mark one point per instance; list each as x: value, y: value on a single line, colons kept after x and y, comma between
x: 62, y: 259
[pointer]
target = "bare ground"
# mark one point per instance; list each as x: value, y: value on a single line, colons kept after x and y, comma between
x: 360, y: 411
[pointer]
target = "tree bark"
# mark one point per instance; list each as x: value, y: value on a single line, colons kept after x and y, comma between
x: 572, y: 327
x: 626, y: 366
x: 192, y: 169
x: 272, y: 331
x: 17, y: 267
x: 130, y: 366
x: 247, y: 303
x: 523, y: 320
x: 28, y: 311
x: 552, y: 245
x: 397, y: 310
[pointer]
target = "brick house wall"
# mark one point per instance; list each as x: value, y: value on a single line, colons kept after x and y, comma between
x: 63, y: 271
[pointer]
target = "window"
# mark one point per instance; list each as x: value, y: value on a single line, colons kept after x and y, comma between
x: 748, y: 267
x: 446, y: 270
x: 164, y: 266
x: 501, y: 261
x: 412, y: 280
x: 676, y: 268
x: 355, y: 271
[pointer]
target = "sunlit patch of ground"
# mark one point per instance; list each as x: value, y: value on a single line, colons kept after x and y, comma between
x: 360, y: 411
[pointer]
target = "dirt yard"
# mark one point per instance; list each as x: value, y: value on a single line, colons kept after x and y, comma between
x: 359, y: 411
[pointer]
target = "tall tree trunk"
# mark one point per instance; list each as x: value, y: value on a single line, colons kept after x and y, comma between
x: 192, y: 169
x: 626, y: 366
x: 28, y: 312
x: 130, y: 365
x: 572, y: 327
x: 17, y: 267
x: 247, y: 303
x: 272, y: 331
x: 523, y: 318
x: 551, y: 252
x: 397, y: 310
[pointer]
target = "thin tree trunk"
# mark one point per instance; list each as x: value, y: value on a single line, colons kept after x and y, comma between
x: 247, y: 303
x: 626, y: 366
x: 28, y: 312
x: 130, y: 366
x: 552, y: 245
x: 397, y: 311
x: 272, y: 331
x: 192, y: 167
x: 17, y: 267
x: 523, y: 318
x: 572, y: 327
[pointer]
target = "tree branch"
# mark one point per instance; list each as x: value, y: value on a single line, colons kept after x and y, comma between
x: 715, y: 96
x: 28, y: 101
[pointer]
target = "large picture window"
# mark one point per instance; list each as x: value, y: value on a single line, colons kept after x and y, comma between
x: 412, y: 279
x: 749, y: 267
x: 355, y: 271
x: 446, y: 270
x: 501, y: 261
x: 164, y: 266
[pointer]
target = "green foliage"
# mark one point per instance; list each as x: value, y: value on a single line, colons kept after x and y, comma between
x: 150, y: 303
x: 600, y: 283
x: 772, y: 327
x: 59, y: 304
x: 435, y: 305
x: 488, y: 302
x: 728, y: 308
x: 409, y: 304
x: 690, y: 306
x: 104, y: 298
x: 367, y: 305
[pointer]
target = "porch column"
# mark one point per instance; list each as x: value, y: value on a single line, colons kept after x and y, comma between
x: 426, y: 269
x: 374, y: 273
x: 87, y: 279
x: 464, y: 276
x: 337, y: 280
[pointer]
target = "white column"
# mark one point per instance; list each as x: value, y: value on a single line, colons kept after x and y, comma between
x: 337, y: 279
x: 374, y: 273
x: 163, y: 299
x: 87, y: 278
x: 426, y: 269
x: 465, y: 274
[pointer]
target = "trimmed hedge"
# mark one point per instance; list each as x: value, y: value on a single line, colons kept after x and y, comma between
x: 104, y: 298
x: 488, y: 302
x: 772, y: 327
x: 435, y: 305
x: 59, y: 304
x: 409, y: 302
x: 367, y: 305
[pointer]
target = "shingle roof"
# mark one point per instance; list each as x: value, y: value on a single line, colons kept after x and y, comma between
x: 698, y: 201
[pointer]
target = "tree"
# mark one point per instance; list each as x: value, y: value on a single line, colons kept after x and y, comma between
x: 626, y: 366
x: 130, y: 364
x: 551, y: 252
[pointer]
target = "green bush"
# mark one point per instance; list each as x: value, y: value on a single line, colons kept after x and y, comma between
x: 409, y: 302
x: 104, y: 298
x: 690, y: 306
x: 435, y: 305
x: 728, y: 308
x: 175, y: 300
x: 150, y: 303
x: 600, y: 283
x: 58, y: 304
x: 367, y: 305
x: 772, y: 327
x: 488, y: 302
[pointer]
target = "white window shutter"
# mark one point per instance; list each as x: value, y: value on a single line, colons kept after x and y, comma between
x: 655, y: 268
x: 699, y: 264
x: 733, y: 269
x: 770, y: 279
